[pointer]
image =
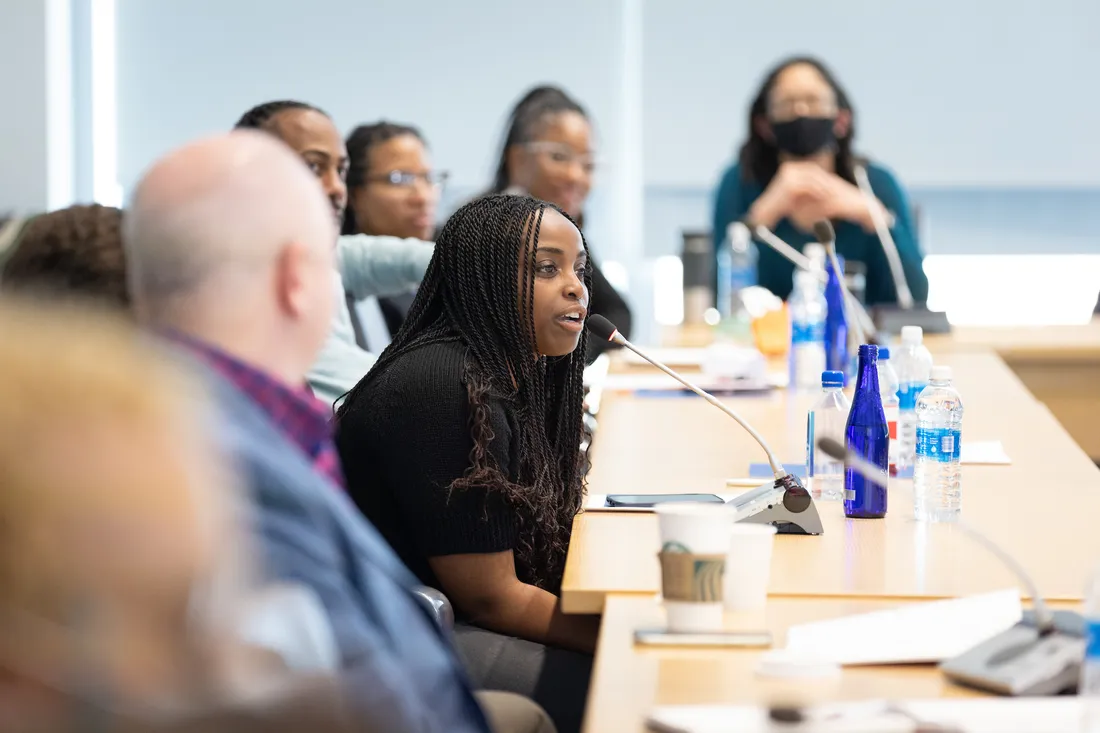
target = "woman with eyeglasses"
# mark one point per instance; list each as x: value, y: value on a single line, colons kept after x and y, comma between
x: 797, y: 167
x: 393, y: 191
x: 548, y: 153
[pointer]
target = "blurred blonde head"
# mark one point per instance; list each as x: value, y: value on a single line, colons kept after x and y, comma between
x: 118, y: 536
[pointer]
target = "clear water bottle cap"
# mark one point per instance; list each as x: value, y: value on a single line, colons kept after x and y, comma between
x: 912, y: 335
x: 814, y: 253
x: 804, y: 279
x: 941, y: 374
x: 832, y: 379
x: 883, y: 353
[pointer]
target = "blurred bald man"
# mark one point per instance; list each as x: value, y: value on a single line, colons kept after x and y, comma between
x: 229, y: 247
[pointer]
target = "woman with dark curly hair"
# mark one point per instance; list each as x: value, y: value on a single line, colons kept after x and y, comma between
x: 71, y: 251
x: 462, y: 443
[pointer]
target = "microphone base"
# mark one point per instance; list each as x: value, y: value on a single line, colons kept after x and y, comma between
x: 890, y: 319
x: 1021, y: 662
x: 784, y: 504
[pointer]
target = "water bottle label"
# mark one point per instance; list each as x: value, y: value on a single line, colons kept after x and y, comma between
x: 908, y: 393
x: 807, y: 333
x: 938, y: 444
x: 1092, y: 638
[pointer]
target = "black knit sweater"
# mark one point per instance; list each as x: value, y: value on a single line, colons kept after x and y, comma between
x: 406, y: 439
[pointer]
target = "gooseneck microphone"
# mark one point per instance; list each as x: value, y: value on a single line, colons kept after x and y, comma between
x: 882, y: 228
x: 606, y: 330
x: 785, y: 504
x: 761, y: 232
x: 858, y: 318
x: 1044, y: 620
x: 1028, y: 659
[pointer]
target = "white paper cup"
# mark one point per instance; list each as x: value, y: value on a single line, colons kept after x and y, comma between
x: 748, y: 566
x: 694, y: 540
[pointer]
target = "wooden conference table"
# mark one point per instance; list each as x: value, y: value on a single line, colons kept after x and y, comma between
x: 1042, y: 508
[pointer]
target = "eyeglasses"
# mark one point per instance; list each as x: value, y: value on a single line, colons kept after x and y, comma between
x: 564, y: 156
x: 791, y: 107
x: 406, y: 179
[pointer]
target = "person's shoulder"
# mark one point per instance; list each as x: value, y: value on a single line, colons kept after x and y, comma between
x: 882, y: 177
x: 731, y: 176
x: 432, y: 365
x: 425, y: 381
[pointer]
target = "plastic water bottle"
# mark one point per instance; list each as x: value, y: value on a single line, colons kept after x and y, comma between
x: 807, y: 309
x: 736, y: 270
x: 913, y: 364
x: 837, y: 355
x: 827, y: 420
x: 817, y: 256
x: 937, y: 473
x: 888, y: 388
x: 866, y: 434
x: 1089, y: 684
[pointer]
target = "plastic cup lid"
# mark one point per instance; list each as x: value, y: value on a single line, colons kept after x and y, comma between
x: 941, y: 373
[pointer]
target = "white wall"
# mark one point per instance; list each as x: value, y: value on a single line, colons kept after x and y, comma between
x: 190, y: 67
x: 947, y: 92
x: 23, y: 128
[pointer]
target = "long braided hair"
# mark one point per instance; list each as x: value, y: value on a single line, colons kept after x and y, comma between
x: 479, y: 291
x: 359, y: 143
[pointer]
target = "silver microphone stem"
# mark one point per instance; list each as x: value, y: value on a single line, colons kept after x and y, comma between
x: 901, y: 285
x: 1044, y: 619
x: 777, y: 467
x: 798, y: 259
x: 857, y: 315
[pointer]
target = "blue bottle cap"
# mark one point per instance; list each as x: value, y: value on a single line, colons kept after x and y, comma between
x: 832, y: 379
x: 883, y: 353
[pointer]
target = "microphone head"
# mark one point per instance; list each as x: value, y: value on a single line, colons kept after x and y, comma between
x: 832, y: 448
x: 602, y: 327
x: 824, y: 232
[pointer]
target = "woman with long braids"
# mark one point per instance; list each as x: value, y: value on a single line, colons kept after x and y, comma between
x: 462, y: 443
x: 548, y: 153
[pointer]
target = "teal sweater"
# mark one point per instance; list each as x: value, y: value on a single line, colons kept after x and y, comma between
x: 735, y: 196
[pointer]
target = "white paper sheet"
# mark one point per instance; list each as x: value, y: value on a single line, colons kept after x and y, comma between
x: 989, y: 715
x: 914, y: 633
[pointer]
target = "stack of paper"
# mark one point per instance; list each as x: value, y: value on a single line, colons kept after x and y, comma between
x: 915, y: 633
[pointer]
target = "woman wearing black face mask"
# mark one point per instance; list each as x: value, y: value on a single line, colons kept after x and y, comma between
x: 797, y: 167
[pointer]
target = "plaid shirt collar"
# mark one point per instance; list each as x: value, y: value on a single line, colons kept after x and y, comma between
x: 302, y: 417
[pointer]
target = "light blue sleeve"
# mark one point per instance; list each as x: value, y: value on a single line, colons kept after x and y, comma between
x: 341, y: 363
x: 381, y: 265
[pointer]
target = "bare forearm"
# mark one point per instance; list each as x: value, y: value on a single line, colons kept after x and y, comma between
x: 765, y: 212
x: 534, y: 614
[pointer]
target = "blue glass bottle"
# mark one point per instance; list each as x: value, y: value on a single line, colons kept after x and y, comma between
x: 868, y: 435
x: 837, y: 356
